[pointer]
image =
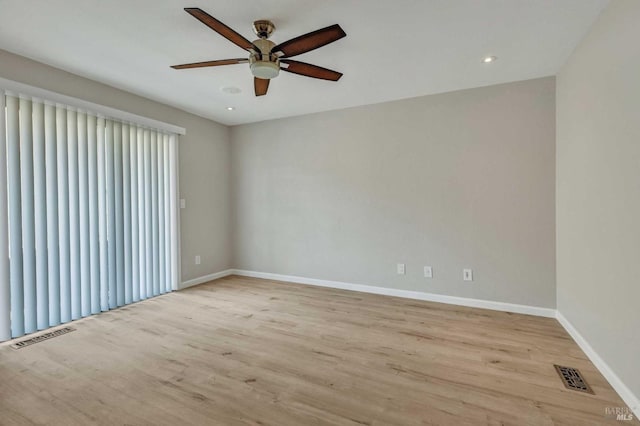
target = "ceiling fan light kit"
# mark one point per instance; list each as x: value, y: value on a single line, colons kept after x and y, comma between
x: 266, y: 59
x: 264, y: 64
x: 265, y: 69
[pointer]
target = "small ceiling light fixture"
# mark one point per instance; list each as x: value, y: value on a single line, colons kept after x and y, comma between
x: 231, y: 90
x: 489, y: 59
x: 230, y: 108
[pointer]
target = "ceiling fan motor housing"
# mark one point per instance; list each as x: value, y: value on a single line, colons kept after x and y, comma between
x: 263, y: 28
x: 264, y: 64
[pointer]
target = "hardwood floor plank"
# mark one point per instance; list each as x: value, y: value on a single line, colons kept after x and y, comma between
x: 245, y: 351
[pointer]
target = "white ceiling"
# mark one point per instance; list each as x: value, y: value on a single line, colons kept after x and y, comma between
x: 394, y: 49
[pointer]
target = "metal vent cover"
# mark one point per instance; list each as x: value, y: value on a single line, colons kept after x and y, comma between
x: 572, y: 379
x: 42, y: 337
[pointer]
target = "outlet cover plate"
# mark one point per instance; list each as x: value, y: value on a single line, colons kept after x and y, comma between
x: 428, y: 272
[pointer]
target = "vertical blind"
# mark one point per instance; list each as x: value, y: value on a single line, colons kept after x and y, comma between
x: 87, y: 214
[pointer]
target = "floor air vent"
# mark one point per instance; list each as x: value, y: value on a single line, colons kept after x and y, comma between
x: 572, y: 379
x: 42, y: 337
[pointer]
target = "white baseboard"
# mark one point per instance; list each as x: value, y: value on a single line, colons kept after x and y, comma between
x: 408, y: 294
x: 618, y: 385
x: 206, y: 278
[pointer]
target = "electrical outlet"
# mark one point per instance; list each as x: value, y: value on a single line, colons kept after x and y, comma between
x: 183, y: 203
x: 401, y: 269
x: 428, y: 272
x: 197, y: 260
x: 467, y: 275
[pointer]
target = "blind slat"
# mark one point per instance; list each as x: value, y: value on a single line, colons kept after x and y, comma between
x: 126, y: 213
x: 83, y: 212
x: 53, y: 250
x: 142, y: 229
x: 117, y: 158
x: 135, y: 262
x: 5, y: 285
x: 148, y: 232
x: 154, y: 211
x: 111, y: 215
x: 28, y: 226
x: 74, y: 214
x: 167, y: 208
x: 92, y: 182
x: 161, y: 213
x: 102, y: 214
x: 40, y: 217
x: 175, y: 213
x: 63, y: 214
x: 15, y: 216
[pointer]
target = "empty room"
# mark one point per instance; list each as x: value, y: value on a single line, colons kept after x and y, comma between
x: 411, y: 212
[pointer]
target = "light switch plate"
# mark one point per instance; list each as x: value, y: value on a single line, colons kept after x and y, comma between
x: 183, y: 203
x: 401, y: 269
x: 467, y: 275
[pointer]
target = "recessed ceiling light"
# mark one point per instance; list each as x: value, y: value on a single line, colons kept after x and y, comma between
x: 230, y: 108
x: 489, y: 59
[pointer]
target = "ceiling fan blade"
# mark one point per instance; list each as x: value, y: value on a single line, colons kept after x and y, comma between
x: 309, y: 70
x: 210, y: 63
x: 310, y: 41
x: 220, y: 28
x: 261, y: 86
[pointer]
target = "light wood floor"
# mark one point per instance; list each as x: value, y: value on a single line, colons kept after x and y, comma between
x: 242, y: 351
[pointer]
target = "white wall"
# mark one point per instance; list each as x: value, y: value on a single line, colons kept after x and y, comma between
x: 204, y: 159
x: 598, y: 189
x: 463, y: 179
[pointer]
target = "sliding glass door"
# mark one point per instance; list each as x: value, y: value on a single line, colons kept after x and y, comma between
x: 87, y: 213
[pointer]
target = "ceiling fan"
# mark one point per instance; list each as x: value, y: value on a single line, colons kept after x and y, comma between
x: 266, y: 59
